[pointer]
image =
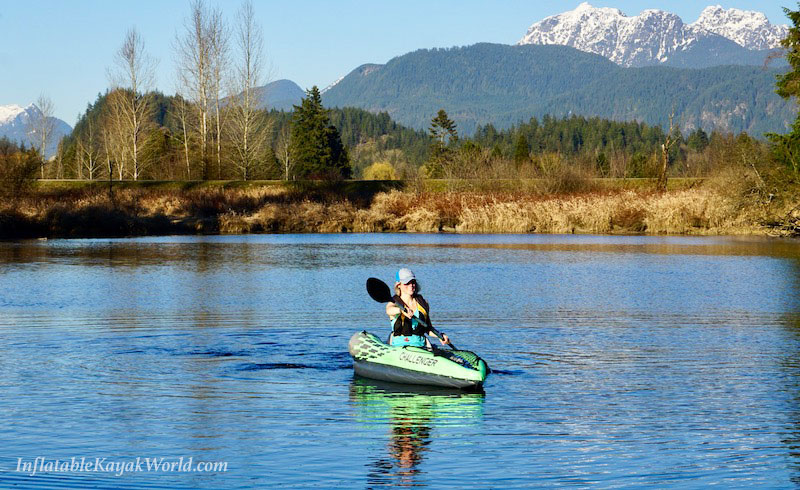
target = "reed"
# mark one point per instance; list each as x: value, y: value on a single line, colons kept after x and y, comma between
x: 730, y: 203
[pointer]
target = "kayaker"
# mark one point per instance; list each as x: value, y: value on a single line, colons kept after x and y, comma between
x: 410, y: 325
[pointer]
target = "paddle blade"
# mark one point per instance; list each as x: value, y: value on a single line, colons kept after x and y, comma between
x: 378, y: 290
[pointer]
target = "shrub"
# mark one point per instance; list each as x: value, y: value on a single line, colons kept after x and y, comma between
x: 380, y: 171
x: 18, y: 172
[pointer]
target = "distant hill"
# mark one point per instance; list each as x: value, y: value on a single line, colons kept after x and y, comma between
x: 503, y: 85
x: 280, y: 95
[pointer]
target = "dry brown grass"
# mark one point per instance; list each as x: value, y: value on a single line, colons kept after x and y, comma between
x: 720, y: 207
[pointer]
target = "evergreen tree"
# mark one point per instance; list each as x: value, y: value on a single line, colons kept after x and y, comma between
x: 443, y: 131
x: 697, y: 140
x: 443, y: 128
x: 316, y: 146
x: 787, y: 146
x: 521, y: 150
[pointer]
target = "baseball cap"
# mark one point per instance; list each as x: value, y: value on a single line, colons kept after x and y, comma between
x: 405, y: 276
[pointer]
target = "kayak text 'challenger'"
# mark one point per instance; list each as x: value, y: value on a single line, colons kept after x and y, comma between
x: 417, y: 359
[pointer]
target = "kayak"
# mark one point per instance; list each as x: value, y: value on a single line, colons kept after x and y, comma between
x: 373, y: 358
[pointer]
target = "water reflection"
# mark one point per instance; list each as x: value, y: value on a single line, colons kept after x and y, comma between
x: 791, y: 374
x: 412, y: 414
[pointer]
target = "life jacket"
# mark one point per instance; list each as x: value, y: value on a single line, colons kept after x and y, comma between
x: 413, y: 326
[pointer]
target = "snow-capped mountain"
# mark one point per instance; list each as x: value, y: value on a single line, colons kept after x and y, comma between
x: 719, y: 36
x: 17, y: 124
x: 748, y: 29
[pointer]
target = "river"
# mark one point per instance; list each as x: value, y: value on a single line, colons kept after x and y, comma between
x: 618, y: 360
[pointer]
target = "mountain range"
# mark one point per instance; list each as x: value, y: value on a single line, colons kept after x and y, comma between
x: 656, y: 37
x: 503, y: 85
x: 592, y: 62
x: 16, y: 124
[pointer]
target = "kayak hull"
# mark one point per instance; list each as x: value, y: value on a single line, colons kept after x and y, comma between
x: 374, y: 359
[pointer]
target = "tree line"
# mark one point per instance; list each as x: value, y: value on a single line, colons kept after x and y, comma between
x: 215, y: 127
x: 315, y: 142
x: 593, y: 147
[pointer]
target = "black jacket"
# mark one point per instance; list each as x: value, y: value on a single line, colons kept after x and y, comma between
x: 405, y: 326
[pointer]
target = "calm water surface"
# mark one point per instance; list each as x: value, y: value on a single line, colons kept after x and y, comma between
x: 618, y: 361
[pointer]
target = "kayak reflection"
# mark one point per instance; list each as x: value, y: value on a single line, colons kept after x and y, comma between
x: 412, y: 413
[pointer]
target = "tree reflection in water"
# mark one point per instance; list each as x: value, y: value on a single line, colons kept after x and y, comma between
x: 412, y: 414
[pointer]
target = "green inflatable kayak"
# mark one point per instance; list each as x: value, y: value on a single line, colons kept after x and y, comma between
x: 373, y: 358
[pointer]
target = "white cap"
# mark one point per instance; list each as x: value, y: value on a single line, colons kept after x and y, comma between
x: 405, y: 276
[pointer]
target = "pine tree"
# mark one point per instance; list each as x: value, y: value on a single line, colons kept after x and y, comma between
x: 787, y: 146
x: 698, y: 140
x: 443, y: 128
x: 316, y: 146
x: 521, y: 150
x: 443, y: 131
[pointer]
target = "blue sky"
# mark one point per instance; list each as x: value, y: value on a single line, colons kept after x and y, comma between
x: 63, y: 48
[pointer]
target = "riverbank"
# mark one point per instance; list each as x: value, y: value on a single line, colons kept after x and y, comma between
x: 131, y: 209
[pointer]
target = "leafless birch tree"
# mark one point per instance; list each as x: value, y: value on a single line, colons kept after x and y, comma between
x: 282, y: 150
x: 218, y: 36
x: 132, y: 78
x: 669, y: 142
x: 88, y: 153
x: 109, y: 147
x: 194, y: 58
x: 59, y: 159
x: 182, y: 112
x: 113, y: 136
x: 248, y: 127
x: 42, y: 127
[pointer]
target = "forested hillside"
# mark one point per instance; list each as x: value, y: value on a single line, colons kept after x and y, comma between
x: 503, y: 85
x: 92, y: 147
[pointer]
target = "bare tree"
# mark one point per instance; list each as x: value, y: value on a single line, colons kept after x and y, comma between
x: 669, y: 142
x: 182, y: 112
x: 114, y: 135
x: 42, y: 127
x: 111, y: 149
x: 282, y: 150
x: 60, y: 160
x: 107, y: 151
x: 194, y: 58
x: 248, y: 126
x: 218, y: 36
x: 88, y: 153
x: 133, y: 77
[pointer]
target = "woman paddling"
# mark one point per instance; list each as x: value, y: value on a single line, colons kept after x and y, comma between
x: 412, y: 323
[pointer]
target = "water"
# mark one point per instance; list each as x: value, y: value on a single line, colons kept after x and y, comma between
x: 618, y: 361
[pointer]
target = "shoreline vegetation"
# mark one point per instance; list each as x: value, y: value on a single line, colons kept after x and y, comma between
x: 710, y: 206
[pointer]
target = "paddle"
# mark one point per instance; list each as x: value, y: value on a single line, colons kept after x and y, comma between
x: 380, y: 292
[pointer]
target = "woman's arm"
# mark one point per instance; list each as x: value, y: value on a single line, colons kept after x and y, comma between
x: 393, y: 310
x: 443, y: 338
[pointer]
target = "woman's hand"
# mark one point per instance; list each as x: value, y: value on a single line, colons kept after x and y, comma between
x: 444, y: 339
x: 392, y: 310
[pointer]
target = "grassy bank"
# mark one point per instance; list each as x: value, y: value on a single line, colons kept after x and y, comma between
x: 79, y: 209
